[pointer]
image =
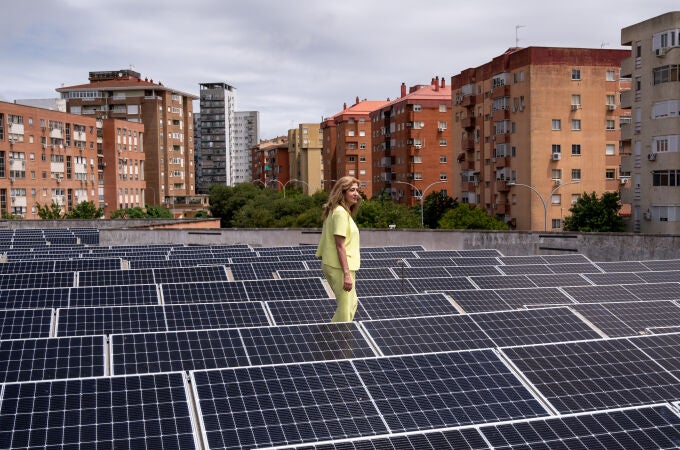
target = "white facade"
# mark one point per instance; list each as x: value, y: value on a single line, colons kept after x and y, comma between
x: 246, y: 135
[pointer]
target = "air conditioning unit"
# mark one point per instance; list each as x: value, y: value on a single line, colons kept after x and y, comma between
x: 575, y: 107
x: 556, y: 156
x: 11, y: 179
x: 611, y: 107
x: 14, y: 199
x: 557, y: 181
x: 58, y: 180
x: 647, y: 215
x: 651, y: 156
x: 418, y: 146
x: 661, y: 52
x: 624, y: 180
x: 441, y: 129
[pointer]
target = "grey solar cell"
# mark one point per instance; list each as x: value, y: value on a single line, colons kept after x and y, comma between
x: 534, y: 326
x: 502, y: 281
x: 592, y: 375
x: 219, y: 291
x: 51, y: 358
x: 197, y: 316
x: 109, y: 320
x: 599, y: 294
x: 610, y: 278
x: 136, y: 294
x: 622, y: 266
x: 575, y: 268
x: 427, y: 334
x: 149, y: 411
x: 478, y: 300
x: 523, y: 269
x: 520, y: 298
x: 523, y: 260
x: 115, y: 277
x: 558, y: 279
x: 655, y: 291
x: 34, y: 298
x: 661, y: 265
x: 408, y: 305
x: 636, y: 428
x: 25, y: 323
x: 659, y: 277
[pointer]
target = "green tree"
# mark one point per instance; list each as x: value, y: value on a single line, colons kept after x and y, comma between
x: 201, y: 213
x: 435, y: 205
x: 467, y: 217
x: 158, y: 212
x: 225, y: 201
x: 129, y: 213
x: 6, y: 215
x: 85, y: 210
x: 49, y: 212
x: 590, y: 214
x: 381, y: 212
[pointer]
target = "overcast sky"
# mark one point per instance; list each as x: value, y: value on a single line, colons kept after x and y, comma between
x: 292, y: 60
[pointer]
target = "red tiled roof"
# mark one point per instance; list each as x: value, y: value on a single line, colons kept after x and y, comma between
x: 122, y: 84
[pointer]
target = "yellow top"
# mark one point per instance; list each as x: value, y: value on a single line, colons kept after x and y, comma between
x: 339, y: 223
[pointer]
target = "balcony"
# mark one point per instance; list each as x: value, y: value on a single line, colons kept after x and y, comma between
x: 627, y: 67
x: 501, y: 138
x: 467, y: 165
x: 626, y: 131
x: 470, y: 100
x: 501, y: 114
x: 468, y: 122
x: 627, y: 194
x: 469, y: 186
x: 502, y: 161
x: 626, y: 99
x: 502, y: 186
x: 501, y: 91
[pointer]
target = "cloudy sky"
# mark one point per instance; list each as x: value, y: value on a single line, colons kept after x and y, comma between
x: 293, y: 60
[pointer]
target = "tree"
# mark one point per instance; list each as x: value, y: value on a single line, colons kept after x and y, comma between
x: 158, y: 212
x: 85, y: 210
x: 381, y: 212
x: 434, y: 206
x: 225, y: 201
x: 590, y: 214
x: 129, y: 213
x: 49, y: 212
x: 467, y: 217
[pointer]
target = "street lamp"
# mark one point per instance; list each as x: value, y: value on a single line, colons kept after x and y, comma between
x: 296, y: 180
x: 422, y: 196
x: 543, y: 201
x: 282, y: 185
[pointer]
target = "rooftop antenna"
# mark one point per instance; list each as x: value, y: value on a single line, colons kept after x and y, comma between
x: 517, y: 27
x: 604, y: 44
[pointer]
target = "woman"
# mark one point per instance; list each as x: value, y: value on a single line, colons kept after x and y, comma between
x: 339, y: 246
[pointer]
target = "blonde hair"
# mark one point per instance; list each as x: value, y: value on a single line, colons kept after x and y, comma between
x: 337, y: 196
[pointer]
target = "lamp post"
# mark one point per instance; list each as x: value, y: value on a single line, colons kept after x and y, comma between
x: 257, y: 180
x: 422, y: 196
x: 296, y: 180
x: 282, y: 185
x: 543, y: 201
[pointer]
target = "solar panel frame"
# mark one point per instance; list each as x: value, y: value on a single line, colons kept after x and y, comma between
x: 25, y: 323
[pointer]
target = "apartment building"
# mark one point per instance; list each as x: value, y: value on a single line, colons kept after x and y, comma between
x: 217, y: 161
x: 167, y: 115
x: 270, y: 162
x: 246, y: 136
x: 347, y: 143
x: 534, y: 128
x: 650, y: 140
x: 50, y: 156
x: 411, y: 143
x: 304, y: 155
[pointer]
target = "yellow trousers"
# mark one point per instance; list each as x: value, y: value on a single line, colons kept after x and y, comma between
x: 347, y: 301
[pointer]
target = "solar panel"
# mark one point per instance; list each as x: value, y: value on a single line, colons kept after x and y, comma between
x: 409, y: 305
x: 512, y: 260
x: 467, y: 271
x: 523, y: 269
x: 82, y: 264
x: 502, y: 281
x: 365, y: 288
x: 37, y: 280
x: 559, y: 279
x: 565, y: 259
x: 622, y: 266
x: 429, y: 254
x: 215, y: 315
x: 220, y: 291
x: 298, y: 343
x: 306, y: 273
x: 150, y: 411
x: 176, y: 351
x: 476, y: 261
x: 481, y: 253
x: 440, y: 284
x: 662, y: 348
x: 190, y: 274
x: 638, y: 316
x: 636, y: 428
x: 659, y: 277
x: 283, y: 404
x: 427, y: 262
x: 300, y: 288
x: 109, y: 320
x: 27, y: 267
x: 613, y: 278
x: 445, y: 389
x: 25, y: 323
x: 34, y: 298
x: 478, y: 300
x: 427, y: 334
x: 599, y: 294
x: 603, y: 319
x: 243, y: 271
x: 657, y: 291
x: 520, y: 298
x: 290, y: 312
x: 574, y: 268
x: 51, y: 358
x: 664, y: 264
x: 591, y: 375
x: 533, y: 326
x: 115, y: 277
x: 137, y: 294
x: 380, y: 263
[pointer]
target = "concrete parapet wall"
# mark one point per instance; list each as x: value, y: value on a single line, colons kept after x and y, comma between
x: 596, y: 246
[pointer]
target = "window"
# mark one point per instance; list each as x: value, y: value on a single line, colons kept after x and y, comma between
x: 442, y: 159
x: 610, y: 174
x: 574, y: 198
x: 610, y: 99
x: 417, y: 107
x: 666, y: 178
x: 611, y: 125
x: 556, y: 174
x: 418, y: 176
x: 362, y: 133
x: 556, y: 124
x: 362, y: 146
x: 442, y: 108
x: 575, y: 74
x: 416, y: 159
x: 443, y: 177
x: 362, y: 159
x: 575, y: 174
x: 610, y: 149
x: 350, y: 133
x: 556, y: 224
x: 442, y: 142
x: 575, y: 149
x: 352, y: 158
x: 556, y: 199
x: 576, y: 124
x: 610, y: 75
x: 556, y: 148
x: 575, y: 101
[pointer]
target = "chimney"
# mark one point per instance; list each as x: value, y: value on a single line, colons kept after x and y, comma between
x: 357, y: 100
x: 443, y: 82
x: 403, y: 89
x: 436, y: 84
x: 344, y: 106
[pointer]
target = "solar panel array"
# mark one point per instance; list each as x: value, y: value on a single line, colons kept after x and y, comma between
x: 171, y: 346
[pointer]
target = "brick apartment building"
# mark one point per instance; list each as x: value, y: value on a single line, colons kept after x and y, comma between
x: 534, y: 128
x: 50, y: 156
x: 270, y: 161
x: 411, y: 143
x: 167, y: 115
x: 347, y: 143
